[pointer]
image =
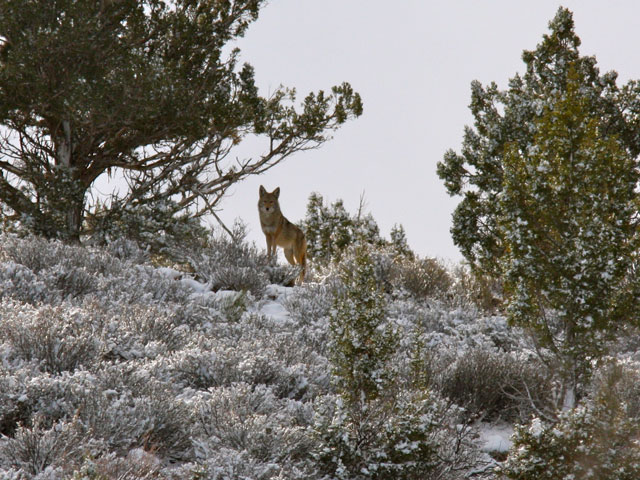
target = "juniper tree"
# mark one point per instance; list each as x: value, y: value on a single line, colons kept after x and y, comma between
x: 504, y: 118
x: 361, y: 343
x: 569, y: 228
x: 548, y: 178
x: 331, y: 229
x: 147, y: 89
x: 381, y: 426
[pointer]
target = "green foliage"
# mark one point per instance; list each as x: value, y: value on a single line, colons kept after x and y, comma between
x: 595, y: 440
x: 548, y: 177
x: 361, y: 341
x: 377, y: 427
x: 399, y: 242
x: 330, y: 230
x: 569, y: 228
x: 148, y: 91
x: 506, y: 121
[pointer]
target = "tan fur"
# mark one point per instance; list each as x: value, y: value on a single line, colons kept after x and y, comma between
x: 280, y: 232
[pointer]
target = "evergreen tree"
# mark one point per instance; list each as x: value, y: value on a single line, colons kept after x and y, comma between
x: 146, y: 89
x: 399, y: 242
x: 361, y: 343
x: 330, y: 229
x: 569, y: 230
x: 506, y: 119
x: 548, y: 178
x: 376, y: 428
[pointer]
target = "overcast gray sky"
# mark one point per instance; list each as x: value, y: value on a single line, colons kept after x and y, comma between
x: 412, y: 62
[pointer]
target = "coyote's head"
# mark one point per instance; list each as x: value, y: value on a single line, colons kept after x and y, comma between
x: 268, y: 202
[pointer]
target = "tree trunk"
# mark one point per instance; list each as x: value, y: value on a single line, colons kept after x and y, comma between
x: 74, y: 204
x: 74, y: 219
x: 571, y: 370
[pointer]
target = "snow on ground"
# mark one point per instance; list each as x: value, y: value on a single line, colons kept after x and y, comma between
x: 495, y: 437
x: 272, y: 306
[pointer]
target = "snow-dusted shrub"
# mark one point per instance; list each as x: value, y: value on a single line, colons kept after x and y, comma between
x: 310, y: 304
x: 231, y: 263
x: 200, y: 366
x: 145, y: 285
x: 39, y: 254
x: 127, y: 251
x: 226, y: 463
x: 252, y: 419
x: 35, y: 253
x: 127, y: 410
x: 59, y: 339
x: 70, y: 282
x: 595, y: 440
x: 247, y: 279
x: 138, y: 464
x: 491, y: 384
x: 277, y: 361
x: 422, y: 278
x: 136, y: 331
x: 475, y: 290
x: 51, y: 285
x: 37, y: 449
x: 412, y: 436
x: 14, y: 406
x: 21, y: 284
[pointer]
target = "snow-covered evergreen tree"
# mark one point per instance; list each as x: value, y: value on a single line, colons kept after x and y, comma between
x: 569, y: 228
x: 597, y: 439
x: 361, y: 340
x: 507, y: 119
x: 377, y: 428
x: 331, y: 229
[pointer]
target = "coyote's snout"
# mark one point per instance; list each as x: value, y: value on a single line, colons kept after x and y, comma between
x: 280, y: 232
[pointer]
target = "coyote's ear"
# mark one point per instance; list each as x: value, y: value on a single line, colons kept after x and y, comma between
x: 276, y: 192
x: 263, y: 192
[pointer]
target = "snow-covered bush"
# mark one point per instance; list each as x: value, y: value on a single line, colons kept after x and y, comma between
x: 230, y: 263
x: 492, y: 384
x: 56, y: 338
x: 253, y: 419
x: 137, y: 331
x: 19, y: 283
x: 407, y: 436
x: 138, y: 464
x: 597, y: 439
x: 422, y: 278
x: 127, y: 411
x: 37, y: 254
x: 38, y: 449
x: 127, y: 251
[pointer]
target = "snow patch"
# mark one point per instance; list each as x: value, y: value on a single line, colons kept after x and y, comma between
x: 495, y: 437
x: 275, y: 311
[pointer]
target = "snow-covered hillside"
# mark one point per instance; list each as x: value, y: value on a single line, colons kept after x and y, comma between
x: 112, y: 367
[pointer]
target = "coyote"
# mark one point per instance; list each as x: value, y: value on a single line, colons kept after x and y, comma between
x: 280, y: 232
